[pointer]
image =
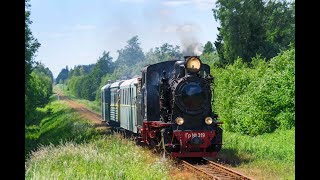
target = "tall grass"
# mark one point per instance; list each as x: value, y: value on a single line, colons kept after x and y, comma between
x: 94, y: 106
x: 65, y: 146
x: 60, y: 123
x: 273, y: 155
x: 109, y: 157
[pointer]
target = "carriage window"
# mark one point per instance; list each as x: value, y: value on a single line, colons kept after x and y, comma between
x: 125, y: 96
x: 131, y: 100
x: 130, y: 96
x: 122, y: 96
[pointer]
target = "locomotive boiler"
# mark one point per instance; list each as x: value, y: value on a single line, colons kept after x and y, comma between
x: 169, y: 107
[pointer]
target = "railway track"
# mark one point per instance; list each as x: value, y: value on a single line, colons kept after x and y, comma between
x: 207, y: 169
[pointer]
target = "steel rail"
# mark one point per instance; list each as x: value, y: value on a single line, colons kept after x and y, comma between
x: 212, y: 170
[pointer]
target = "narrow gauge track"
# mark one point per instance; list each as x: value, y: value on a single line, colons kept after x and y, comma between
x: 207, y: 169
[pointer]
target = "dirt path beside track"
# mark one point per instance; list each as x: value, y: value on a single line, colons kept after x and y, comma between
x: 93, y: 117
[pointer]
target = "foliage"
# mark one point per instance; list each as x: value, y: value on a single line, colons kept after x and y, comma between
x: 74, y: 85
x: 62, y: 76
x: 258, y: 97
x: 80, y: 70
x: 250, y: 27
x: 212, y: 59
x: 131, y: 53
x: 279, y: 25
x: 31, y: 44
x: 159, y: 54
x: 39, y: 91
x: 41, y: 70
x: 85, y: 86
x: 38, y: 79
x: 208, y: 48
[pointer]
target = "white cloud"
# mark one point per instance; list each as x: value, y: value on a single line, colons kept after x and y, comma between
x: 57, y: 35
x: 165, y: 12
x: 176, y: 2
x: 197, y: 3
x: 84, y: 27
x: 133, y: 1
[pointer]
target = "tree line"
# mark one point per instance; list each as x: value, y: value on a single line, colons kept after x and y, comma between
x: 130, y: 60
x: 251, y: 27
x: 38, y: 79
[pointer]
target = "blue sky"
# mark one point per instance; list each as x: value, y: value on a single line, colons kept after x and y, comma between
x: 76, y: 32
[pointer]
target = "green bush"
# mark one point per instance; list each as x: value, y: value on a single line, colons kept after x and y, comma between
x: 258, y: 97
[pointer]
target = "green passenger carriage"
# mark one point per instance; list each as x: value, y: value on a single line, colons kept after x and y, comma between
x: 115, y: 103
x: 128, y: 105
x: 105, y: 102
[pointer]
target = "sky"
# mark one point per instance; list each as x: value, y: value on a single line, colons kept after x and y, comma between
x: 76, y: 32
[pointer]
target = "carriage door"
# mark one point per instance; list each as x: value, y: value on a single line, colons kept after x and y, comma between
x: 102, y: 106
x: 118, y: 104
x: 131, y: 106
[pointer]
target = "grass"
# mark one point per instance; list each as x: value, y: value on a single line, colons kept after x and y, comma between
x: 91, y: 105
x: 60, y: 123
x: 267, y: 156
x: 108, y: 157
x: 64, y: 146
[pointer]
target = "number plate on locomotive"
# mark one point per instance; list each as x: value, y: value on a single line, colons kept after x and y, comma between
x: 191, y: 135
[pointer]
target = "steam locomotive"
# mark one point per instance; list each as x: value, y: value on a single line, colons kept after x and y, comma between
x: 168, y: 106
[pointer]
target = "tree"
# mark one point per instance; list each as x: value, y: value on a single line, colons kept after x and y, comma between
x: 250, y: 27
x: 208, y: 48
x: 167, y: 52
x: 131, y: 54
x: 219, y: 48
x: 35, y: 92
x: 31, y: 45
x: 280, y: 26
x: 63, y: 75
x: 40, y: 69
x: 241, y: 27
x: 103, y: 66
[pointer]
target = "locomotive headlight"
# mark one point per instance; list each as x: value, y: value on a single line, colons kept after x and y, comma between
x: 179, y: 120
x: 208, y: 120
x: 193, y: 64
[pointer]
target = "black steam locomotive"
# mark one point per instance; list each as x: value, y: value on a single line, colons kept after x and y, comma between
x: 169, y: 107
